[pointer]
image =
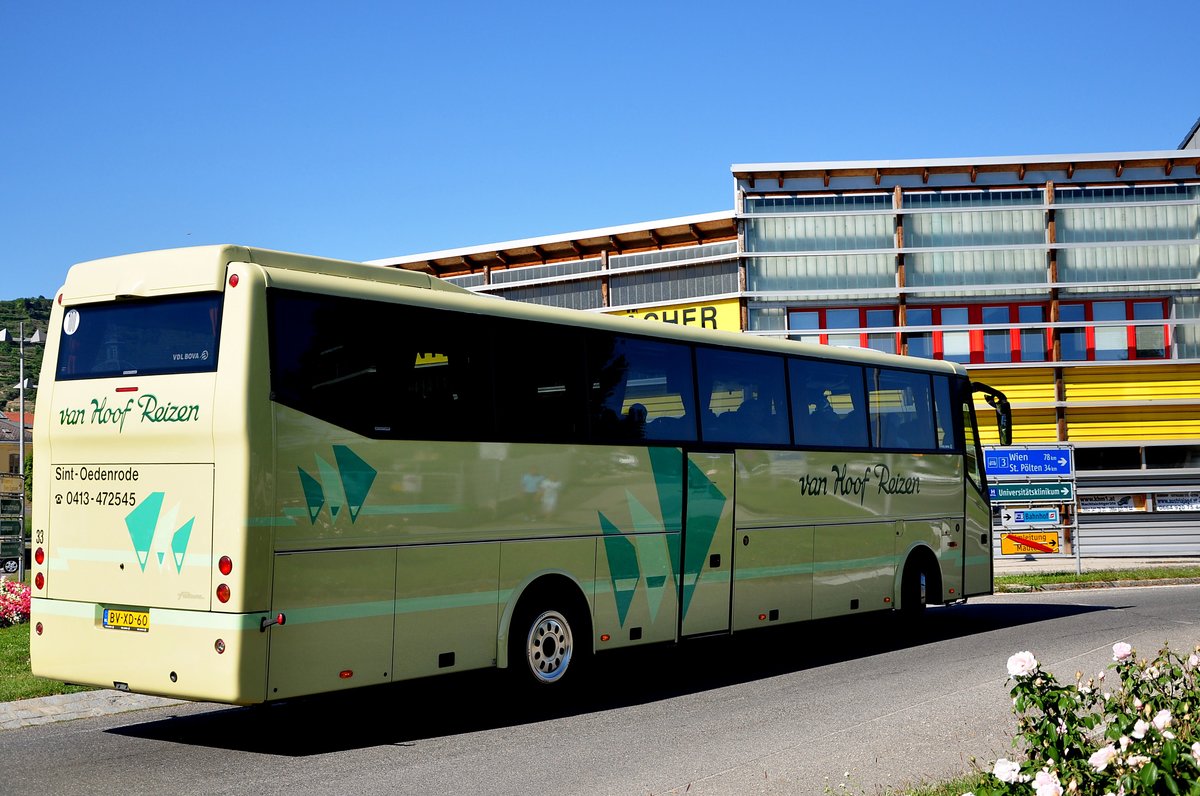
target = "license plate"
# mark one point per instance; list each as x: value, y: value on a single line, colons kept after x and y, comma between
x: 127, y: 620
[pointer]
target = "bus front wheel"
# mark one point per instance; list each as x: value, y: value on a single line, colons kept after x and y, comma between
x: 915, y: 586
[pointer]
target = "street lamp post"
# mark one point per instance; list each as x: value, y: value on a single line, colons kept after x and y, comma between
x: 36, y: 337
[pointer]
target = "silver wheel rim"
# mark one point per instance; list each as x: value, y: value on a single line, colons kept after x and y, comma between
x: 549, y: 647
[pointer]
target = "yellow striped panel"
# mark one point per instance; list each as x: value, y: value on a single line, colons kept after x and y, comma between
x: 1029, y: 425
x: 1162, y: 382
x: 1035, y: 385
x: 1132, y: 423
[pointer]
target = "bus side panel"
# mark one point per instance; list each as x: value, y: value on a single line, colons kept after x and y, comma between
x: 977, y: 545
x: 772, y: 576
x: 707, y: 546
x: 446, y: 608
x: 854, y: 567
x: 338, y: 607
x: 637, y: 594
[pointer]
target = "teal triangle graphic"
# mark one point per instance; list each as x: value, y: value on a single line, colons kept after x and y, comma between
x: 704, y: 508
x: 314, y: 495
x: 161, y: 555
x: 179, y: 543
x: 357, y: 477
x: 667, y: 465
x: 141, y: 522
x: 331, y: 486
x: 623, y: 567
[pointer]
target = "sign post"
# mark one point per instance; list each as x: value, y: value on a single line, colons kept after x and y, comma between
x: 1032, y: 490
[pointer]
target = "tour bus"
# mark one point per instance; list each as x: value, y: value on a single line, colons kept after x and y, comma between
x: 264, y: 475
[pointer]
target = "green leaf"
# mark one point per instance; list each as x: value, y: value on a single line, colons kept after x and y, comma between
x: 1171, y: 786
x: 1148, y: 774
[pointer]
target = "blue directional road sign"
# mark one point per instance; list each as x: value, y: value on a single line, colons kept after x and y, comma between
x: 1029, y: 518
x: 1040, y: 461
x: 1034, y: 492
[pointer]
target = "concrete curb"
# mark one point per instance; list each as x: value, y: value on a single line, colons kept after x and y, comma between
x: 81, y: 705
x: 1096, y: 584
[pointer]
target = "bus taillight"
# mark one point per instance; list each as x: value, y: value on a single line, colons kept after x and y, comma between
x: 39, y: 556
x: 38, y: 628
x: 219, y: 646
x: 39, y: 580
x: 225, y: 565
x: 233, y: 280
x: 223, y: 593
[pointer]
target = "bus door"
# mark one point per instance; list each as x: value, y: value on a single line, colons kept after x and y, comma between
x: 977, y: 536
x: 707, y: 544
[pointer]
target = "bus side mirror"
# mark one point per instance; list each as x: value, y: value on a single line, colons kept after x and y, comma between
x: 1004, y: 422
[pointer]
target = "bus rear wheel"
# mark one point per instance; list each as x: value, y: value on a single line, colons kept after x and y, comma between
x: 544, y: 647
x: 914, y: 588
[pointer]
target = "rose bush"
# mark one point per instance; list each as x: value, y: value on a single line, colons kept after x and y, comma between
x: 1140, y: 737
x: 14, y: 603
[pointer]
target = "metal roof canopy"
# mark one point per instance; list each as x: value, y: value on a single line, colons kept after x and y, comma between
x: 648, y: 235
x: 827, y: 171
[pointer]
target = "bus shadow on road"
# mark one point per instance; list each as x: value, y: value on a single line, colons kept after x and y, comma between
x: 409, y: 713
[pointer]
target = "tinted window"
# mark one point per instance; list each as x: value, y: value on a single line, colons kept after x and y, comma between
x: 828, y: 404
x: 640, y: 389
x: 381, y: 369
x: 539, y: 382
x: 901, y: 409
x: 744, y: 397
x: 944, y: 414
x: 139, y: 337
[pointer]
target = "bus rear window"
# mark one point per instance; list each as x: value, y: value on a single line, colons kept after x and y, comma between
x: 138, y: 337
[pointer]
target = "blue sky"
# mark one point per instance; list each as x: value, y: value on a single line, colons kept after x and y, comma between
x: 366, y: 130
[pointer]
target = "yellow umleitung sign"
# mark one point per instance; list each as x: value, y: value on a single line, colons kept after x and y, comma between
x: 724, y: 315
x: 1019, y: 544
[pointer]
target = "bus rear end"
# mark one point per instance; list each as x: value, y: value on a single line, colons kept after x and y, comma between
x: 141, y: 580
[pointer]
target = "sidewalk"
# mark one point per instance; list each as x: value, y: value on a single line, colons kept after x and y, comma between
x: 64, y: 707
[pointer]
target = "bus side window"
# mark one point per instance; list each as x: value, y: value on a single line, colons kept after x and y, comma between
x: 971, y: 442
x: 901, y: 409
x: 539, y: 382
x: 827, y: 404
x: 639, y: 390
x: 743, y: 396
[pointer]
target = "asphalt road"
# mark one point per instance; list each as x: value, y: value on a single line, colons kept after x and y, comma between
x: 788, y: 711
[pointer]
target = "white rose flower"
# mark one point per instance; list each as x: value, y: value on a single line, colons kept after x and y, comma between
x: 1139, y: 729
x: 1102, y: 757
x: 1006, y: 770
x: 1196, y: 752
x: 1122, y: 652
x: 1161, y: 720
x: 1022, y: 664
x: 1046, y: 784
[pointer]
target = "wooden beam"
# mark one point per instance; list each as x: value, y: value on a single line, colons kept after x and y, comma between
x: 615, y: 244
x: 1021, y: 172
x: 925, y: 175
x: 1167, y: 168
x: 752, y: 182
x: 575, y: 247
x: 541, y: 255
x: 974, y: 173
x: 1120, y: 168
x: 779, y: 178
x: 692, y: 228
x: 1070, y: 170
x: 825, y: 177
x: 503, y: 258
x: 654, y: 237
x: 878, y: 176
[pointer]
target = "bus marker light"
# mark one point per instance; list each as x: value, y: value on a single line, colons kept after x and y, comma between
x: 605, y: 637
x: 278, y: 620
x: 127, y: 389
x: 346, y: 674
x: 952, y: 591
x: 38, y: 628
x: 233, y: 280
x: 39, y: 556
x: 220, y: 646
x: 225, y: 565
x: 762, y: 617
x: 39, y: 581
x: 223, y: 593
x: 60, y: 299
x: 887, y: 599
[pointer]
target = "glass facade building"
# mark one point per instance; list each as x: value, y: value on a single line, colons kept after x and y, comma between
x: 1071, y: 282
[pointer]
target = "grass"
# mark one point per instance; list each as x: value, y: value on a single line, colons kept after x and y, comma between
x: 1038, y: 580
x: 16, y: 681
x: 954, y: 787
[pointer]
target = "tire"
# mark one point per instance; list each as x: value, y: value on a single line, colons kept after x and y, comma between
x: 546, y: 645
x: 914, y: 588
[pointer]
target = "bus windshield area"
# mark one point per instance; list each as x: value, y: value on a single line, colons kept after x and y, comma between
x: 173, y: 334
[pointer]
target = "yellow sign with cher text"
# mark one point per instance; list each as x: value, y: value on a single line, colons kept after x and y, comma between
x: 723, y: 315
